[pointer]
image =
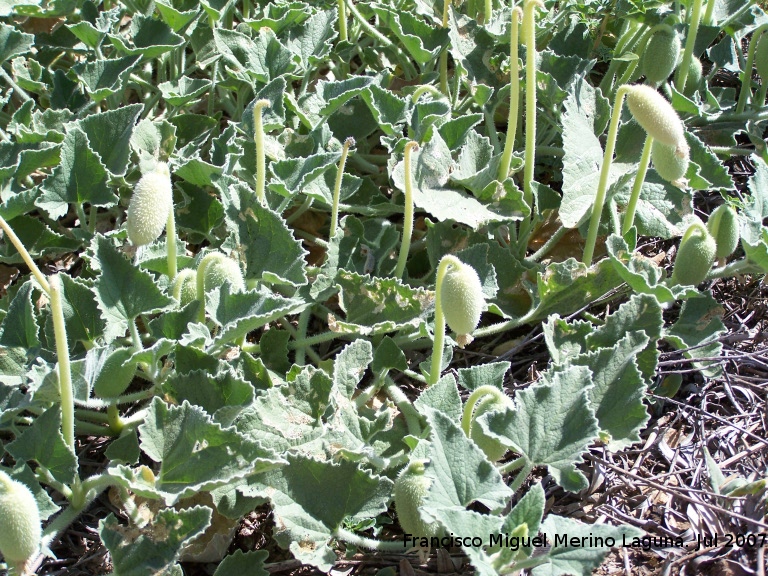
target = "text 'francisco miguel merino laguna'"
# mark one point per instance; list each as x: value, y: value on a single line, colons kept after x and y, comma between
x: 540, y: 541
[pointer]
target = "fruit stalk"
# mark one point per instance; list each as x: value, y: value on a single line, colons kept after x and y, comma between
x: 529, y: 37
x: 443, y: 63
x: 435, y: 368
x: 597, y: 207
x: 514, y: 95
x: 170, y: 244
x: 337, y: 186
x: 690, y: 42
x: 642, y: 169
x: 342, y: 21
x: 65, y: 373
x: 25, y: 255
x: 746, y: 77
x: 405, y: 245
x: 258, y: 139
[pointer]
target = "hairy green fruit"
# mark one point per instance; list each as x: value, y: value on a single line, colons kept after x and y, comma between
x: 411, y: 488
x: 20, y: 520
x: 492, y: 448
x: 462, y: 301
x: 695, y: 74
x: 655, y: 115
x: 221, y: 269
x: 659, y: 59
x: 695, y: 256
x: 671, y: 162
x: 150, y: 206
x: 723, y: 225
x: 185, y: 287
x: 761, y: 56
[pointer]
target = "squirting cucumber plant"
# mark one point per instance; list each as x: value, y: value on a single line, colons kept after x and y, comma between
x: 230, y: 255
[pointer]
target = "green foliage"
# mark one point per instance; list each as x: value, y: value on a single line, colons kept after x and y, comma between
x: 275, y: 373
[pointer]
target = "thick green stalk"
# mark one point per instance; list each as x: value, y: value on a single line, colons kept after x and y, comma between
x: 708, y: 19
x: 444, y: 54
x: 369, y: 543
x: 405, y: 245
x: 488, y: 11
x: 529, y: 37
x: 437, y: 346
x: 21, y: 249
x: 514, y: 95
x: 469, y: 407
x: 746, y: 76
x: 337, y: 186
x: 258, y: 139
x: 170, y: 244
x: 342, y: 21
x: 690, y: 41
x: 631, y: 31
x: 66, y: 392
x: 645, y: 160
x: 602, y: 187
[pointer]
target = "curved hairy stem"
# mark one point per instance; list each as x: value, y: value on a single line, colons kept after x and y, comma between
x: 446, y: 262
x: 469, y: 407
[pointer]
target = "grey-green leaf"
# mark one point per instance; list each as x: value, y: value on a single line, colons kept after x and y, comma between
x: 80, y: 178
x: 553, y: 424
x: 123, y: 291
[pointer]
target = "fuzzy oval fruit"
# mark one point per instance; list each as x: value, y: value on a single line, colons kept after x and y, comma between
x: 151, y: 203
x: 723, y: 225
x: 670, y: 162
x: 185, y: 287
x: 655, y: 115
x: 491, y: 447
x: 462, y: 299
x: 20, y: 519
x: 659, y: 59
x: 695, y: 256
x: 220, y: 269
x: 411, y: 488
x: 761, y: 56
x: 695, y: 74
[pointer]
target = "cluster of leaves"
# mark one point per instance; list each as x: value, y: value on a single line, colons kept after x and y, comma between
x: 213, y: 406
